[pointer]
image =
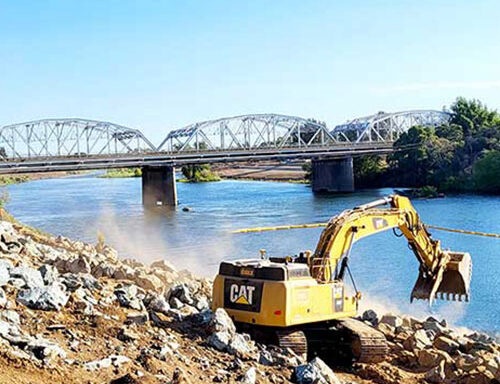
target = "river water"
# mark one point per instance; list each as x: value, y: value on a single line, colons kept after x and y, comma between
x: 383, y: 266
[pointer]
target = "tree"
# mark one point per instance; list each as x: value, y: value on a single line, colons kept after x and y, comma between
x: 486, y: 173
x: 369, y: 171
x: 199, y: 173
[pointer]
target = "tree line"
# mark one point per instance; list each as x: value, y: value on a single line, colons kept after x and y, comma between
x: 460, y: 156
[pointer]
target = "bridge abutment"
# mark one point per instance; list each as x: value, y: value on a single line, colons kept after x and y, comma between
x: 332, y: 175
x: 158, y: 186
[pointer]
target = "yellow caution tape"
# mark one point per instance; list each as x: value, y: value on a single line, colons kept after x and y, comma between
x: 317, y: 225
x: 475, y: 233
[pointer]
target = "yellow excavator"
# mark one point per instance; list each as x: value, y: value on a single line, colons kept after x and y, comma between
x: 303, y: 303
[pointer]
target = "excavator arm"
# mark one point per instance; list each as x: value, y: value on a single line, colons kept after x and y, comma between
x: 441, y: 272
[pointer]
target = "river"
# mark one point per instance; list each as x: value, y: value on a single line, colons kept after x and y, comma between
x: 383, y: 266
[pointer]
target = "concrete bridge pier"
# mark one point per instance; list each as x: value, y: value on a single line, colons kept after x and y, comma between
x: 158, y: 186
x: 332, y: 175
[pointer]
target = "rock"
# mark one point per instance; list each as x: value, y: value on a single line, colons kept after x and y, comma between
x: 428, y: 358
x: 182, y: 293
x: 220, y: 321
x: 5, y: 266
x: 432, y: 324
x: 137, y: 318
x: 436, y: 374
x: 126, y: 334
x: 445, y: 344
x: 75, y: 265
x: 149, y: 282
x: 31, y: 277
x: 163, y: 265
x: 266, y: 358
x: 241, y: 346
x: 493, y: 364
x: 128, y: 296
x: 113, y: 360
x: 49, y: 274
x: 159, y: 304
x: 47, y: 298
x: 3, y: 298
x: 175, y: 303
x: 10, y: 316
x: 249, y: 377
x: 159, y: 319
x: 315, y: 372
x: 409, y: 321
x: 483, y: 377
x: 219, y: 340
x: 45, y: 350
x: 392, y: 320
x: 387, y: 330
x: 202, y: 303
x: 370, y: 316
x: 467, y: 362
x: 419, y: 340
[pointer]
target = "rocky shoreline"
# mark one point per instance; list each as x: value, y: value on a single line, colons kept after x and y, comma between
x: 76, y: 312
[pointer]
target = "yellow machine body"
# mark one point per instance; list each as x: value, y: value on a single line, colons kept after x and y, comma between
x: 299, y: 300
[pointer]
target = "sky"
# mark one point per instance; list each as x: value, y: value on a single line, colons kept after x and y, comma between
x: 161, y: 65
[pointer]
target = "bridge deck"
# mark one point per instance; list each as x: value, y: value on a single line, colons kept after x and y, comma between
x: 53, y: 164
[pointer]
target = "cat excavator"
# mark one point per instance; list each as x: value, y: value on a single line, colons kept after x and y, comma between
x: 303, y: 302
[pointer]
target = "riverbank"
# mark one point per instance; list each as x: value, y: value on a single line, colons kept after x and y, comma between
x: 77, y: 312
x: 9, y: 179
x: 265, y: 171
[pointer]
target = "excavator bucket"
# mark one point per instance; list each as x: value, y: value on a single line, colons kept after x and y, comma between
x: 452, y: 283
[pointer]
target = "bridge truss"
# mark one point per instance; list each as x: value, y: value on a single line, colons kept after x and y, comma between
x: 247, y: 132
x: 70, y: 137
x: 387, y: 127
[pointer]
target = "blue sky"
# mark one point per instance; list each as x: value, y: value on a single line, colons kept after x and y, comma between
x: 160, y: 65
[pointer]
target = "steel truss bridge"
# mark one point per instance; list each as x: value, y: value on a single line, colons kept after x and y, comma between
x: 74, y: 144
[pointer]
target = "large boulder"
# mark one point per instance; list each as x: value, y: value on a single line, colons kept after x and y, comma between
x: 371, y: 316
x: 220, y: 321
x: 31, y: 277
x: 314, y: 372
x: 392, y: 320
x: 129, y: 296
x: 430, y: 357
x: 48, y: 298
x: 446, y: 344
x: 419, y: 340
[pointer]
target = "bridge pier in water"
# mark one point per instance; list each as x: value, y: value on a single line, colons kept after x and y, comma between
x: 158, y: 186
x: 333, y: 175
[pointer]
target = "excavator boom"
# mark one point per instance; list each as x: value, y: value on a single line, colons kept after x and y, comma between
x: 442, y: 273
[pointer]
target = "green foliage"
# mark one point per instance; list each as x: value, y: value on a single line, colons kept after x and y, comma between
x: 369, y: 171
x: 307, y: 168
x: 459, y: 156
x: 122, y: 172
x: 199, y: 173
x: 486, y: 173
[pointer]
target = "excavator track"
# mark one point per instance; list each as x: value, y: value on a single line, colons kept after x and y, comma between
x: 367, y: 344
x: 342, y: 342
x: 294, y: 340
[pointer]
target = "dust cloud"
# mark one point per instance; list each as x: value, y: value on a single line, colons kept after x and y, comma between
x: 146, y: 242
